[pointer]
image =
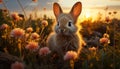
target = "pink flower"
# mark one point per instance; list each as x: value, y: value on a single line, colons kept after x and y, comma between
x: 44, y: 51
x: 32, y: 46
x: 70, y: 55
x: 34, y: 36
x: 17, y: 65
x: 93, y: 49
x: 44, y: 23
x: 15, y: 16
x: 30, y: 29
x: 17, y: 32
x: 4, y: 26
x: 34, y: 0
x: 104, y: 40
x: 1, y: 1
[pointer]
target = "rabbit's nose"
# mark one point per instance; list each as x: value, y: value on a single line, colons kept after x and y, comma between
x: 62, y: 30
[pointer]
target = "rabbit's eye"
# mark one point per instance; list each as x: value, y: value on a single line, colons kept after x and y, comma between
x: 69, y: 24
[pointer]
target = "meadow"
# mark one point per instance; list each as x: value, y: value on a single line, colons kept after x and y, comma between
x: 23, y: 43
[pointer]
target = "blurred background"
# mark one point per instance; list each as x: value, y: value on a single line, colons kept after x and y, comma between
x: 91, y: 8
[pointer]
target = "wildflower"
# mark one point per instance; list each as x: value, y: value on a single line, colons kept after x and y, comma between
x: 21, y: 16
x: 15, y: 16
x: 32, y: 46
x: 106, y: 35
x: 17, y: 32
x: 1, y: 1
x: 92, y: 49
x: 34, y: 0
x: 104, y: 40
x: 70, y: 55
x: 34, y: 36
x: 4, y: 26
x: 17, y: 65
x: 44, y: 23
x: 30, y: 29
x: 44, y: 51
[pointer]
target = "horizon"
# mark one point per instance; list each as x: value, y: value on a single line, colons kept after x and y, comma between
x: 90, y: 8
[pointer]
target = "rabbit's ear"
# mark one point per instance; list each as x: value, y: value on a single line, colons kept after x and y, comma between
x: 57, y: 9
x: 76, y: 10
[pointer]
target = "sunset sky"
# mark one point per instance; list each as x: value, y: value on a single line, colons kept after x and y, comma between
x: 90, y: 3
x: 29, y: 6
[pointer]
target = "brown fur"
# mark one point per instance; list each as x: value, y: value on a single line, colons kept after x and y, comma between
x: 62, y: 43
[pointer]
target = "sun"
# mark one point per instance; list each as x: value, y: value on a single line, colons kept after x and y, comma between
x: 87, y: 14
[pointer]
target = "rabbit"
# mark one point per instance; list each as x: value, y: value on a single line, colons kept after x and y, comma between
x: 65, y: 36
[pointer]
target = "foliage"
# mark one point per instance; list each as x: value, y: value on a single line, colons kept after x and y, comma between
x: 28, y: 47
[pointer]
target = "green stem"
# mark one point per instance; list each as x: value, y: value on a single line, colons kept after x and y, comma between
x: 42, y: 31
x: 72, y: 64
x: 20, y: 48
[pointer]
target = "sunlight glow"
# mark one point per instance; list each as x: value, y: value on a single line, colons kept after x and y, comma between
x: 87, y: 14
